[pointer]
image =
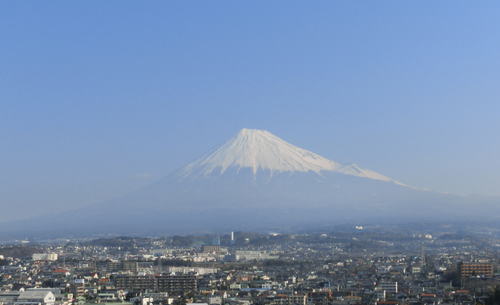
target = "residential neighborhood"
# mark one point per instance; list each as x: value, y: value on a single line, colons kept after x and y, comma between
x: 249, y: 268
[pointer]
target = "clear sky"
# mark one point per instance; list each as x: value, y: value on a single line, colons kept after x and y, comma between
x: 99, y: 98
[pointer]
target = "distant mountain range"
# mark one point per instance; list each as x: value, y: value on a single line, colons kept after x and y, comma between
x: 256, y: 181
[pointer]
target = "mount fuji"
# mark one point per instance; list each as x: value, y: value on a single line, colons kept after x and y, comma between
x: 255, y: 180
x: 259, y: 150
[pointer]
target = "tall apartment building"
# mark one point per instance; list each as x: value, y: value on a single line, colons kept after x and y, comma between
x: 292, y: 299
x: 469, y: 268
x: 78, y: 287
x: 122, y: 266
x: 164, y: 283
x: 135, y: 282
x: 130, y: 266
x: 176, y: 283
x: 389, y: 287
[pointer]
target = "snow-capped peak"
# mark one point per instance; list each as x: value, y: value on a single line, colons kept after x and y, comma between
x: 252, y: 148
x: 259, y: 149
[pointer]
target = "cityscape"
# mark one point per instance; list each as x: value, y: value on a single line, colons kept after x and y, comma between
x: 249, y: 152
x: 353, y: 265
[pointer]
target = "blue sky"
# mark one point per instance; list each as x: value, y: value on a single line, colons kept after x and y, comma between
x: 98, y: 98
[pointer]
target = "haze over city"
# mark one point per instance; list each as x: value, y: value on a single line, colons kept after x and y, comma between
x: 100, y: 99
x: 249, y: 152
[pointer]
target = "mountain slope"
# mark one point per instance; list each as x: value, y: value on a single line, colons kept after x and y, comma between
x: 253, y: 181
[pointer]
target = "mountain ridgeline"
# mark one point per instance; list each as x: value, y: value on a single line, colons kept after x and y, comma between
x: 256, y: 181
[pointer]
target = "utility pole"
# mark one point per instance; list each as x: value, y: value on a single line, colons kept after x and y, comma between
x: 159, y: 264
x: 422, y: 258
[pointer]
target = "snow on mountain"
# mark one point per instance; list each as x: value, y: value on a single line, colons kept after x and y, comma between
x: 355, y: 170
x: 252, y: 148
x: 259, y: 149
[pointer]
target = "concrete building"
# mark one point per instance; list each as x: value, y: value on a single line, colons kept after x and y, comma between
x: 164, y: 283
x: 186, y: 270
x: 44, y: 256
x: 130, y: 266
x: 466, y: 269
x: 211, y: 249
x: 389, y: 287
x: 78, y: 287
x: 176, y: 283
x: 255, y: 255
x: 122, y: 266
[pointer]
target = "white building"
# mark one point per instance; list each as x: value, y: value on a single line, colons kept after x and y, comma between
x: 45, y: 256
x: 255, y: 255
x: 383, y: 269
x: 186, y: 270
x: 215, y: 300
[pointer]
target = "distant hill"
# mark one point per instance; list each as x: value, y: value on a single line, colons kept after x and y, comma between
x: 18, y: 251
